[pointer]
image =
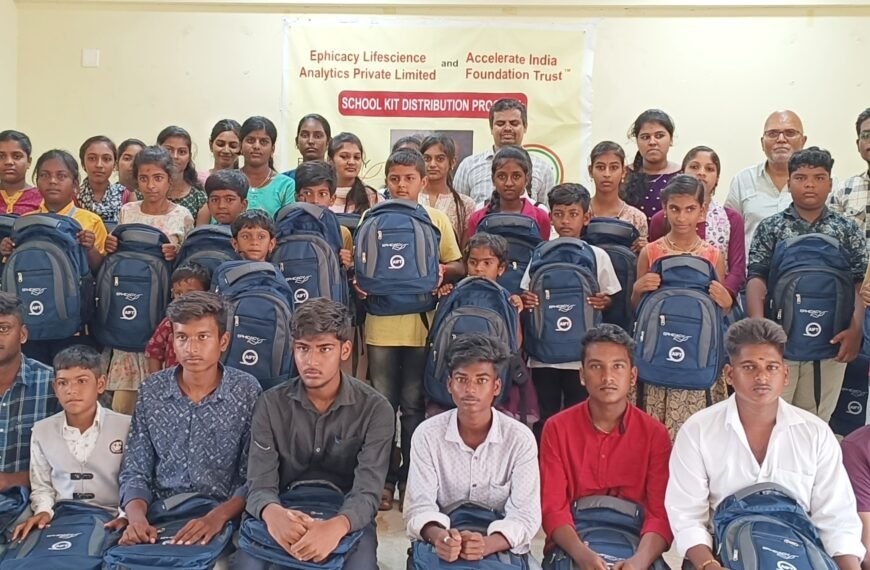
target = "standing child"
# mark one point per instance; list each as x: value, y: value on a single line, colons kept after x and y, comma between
x: 352, y: 196
x: 16, y: 196
x: 127, y: 152
x: 683, y: 201
x: 316, y: 182
x: 225, y: 146
x: 607, y: 169
x: 97, y: 193
x: 227, y: 192
x: 439, y: 152
x: 313, y: 134
x: 185, y: 190
x: 269, y: 191
x: 254, y: 235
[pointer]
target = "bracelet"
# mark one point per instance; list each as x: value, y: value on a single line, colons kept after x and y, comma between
x: 707, y: 563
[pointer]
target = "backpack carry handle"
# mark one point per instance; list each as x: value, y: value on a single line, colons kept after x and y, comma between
x: 612, y: 228
x: 313, y: 210
x: 395, y: 202
x: 763, y: 489
x: 315, y: 483
x: 247, y: 268
x: 219, y: 230
x: 140, y: 233
x: 48, y: 221
x: 549, y: 246
x: 622, y: 506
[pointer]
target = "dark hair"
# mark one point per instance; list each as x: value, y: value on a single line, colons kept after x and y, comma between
x: 258, y: 123
x: 813, y: 157
x: 189, y: 174
x: 315, y: 173
x: 322, y: 316
x: 569, y: 194
x: 406, y: 157
x: 605, y: 147
x: 255, y: 218
x: 404, y: 142
x: 754, y: 331
x: 128, y: 143
x: 228, y: 179
x: 473, y: 348
x: 10, y: 306
x: 97, y: 140
x: 197, y: 305
x: 359, y: 194
x: 156, y: 155
x: 505, y: 154
x: 635, y: 188
x: 449, y: 147
x: 684, y: 185
x: 496, y: 244
x: 315, y: 117
x: 79, y: 356
x: 19, y: 137
x: 224, y: 126
x: 865, y: 114
x: 507, y: 105
x: 68, y: 160
x: 192, y: 270
x: 693, y: 152
x: 607, y: 333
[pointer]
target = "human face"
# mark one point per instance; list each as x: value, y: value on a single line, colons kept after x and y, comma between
x: 510, y: 181
x: 758, y: 374
x: 78, y: 389
x: 254, y: 244
x: 12, y: 335
x: 257, y: 148
x: 99, y: 163
x: 474, y: 387
x: 508, y: 128
x: 607, y: 171
x: 56, y: 183
x: 225, y: 206
x: 347, y: 161
x: 483, y: 263
x: 438, y: 164
x: 185, y: 286
x: 318, y: 194
x: 607, y: 372
x: 198, y: 344
x: 653, y: 142
x: 684, y: 213
x: 863, y: 142
x: 318, y: 359
x: 14, y: 163
x: 783, y: 135
x: 153, y: 183
x: 809, y: 187
x: 570, y: 220
x: 702, y: 167
x: 125, y: 166
x: 312, y: 140
x: 405, y: 182
x: 179, y: 149
x: 225, y: 148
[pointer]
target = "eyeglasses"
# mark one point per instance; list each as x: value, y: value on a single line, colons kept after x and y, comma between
x: 864, y: 135
x: 774, y: 134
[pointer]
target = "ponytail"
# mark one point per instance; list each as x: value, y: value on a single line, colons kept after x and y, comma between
x: 494, y: 204
x: 634, y: 190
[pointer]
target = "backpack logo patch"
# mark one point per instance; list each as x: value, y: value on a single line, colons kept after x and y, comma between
x: 397, y: 262
x: 252, y: 340
x: 299, y: 279
x: 813, y: 330
x: 677, y: 337
x: 35, y: 291
x: 783, y: 565
x: 128, y: 313
x: 61, y: 545
x: 250, y: 358
x: 300, y: 295
x: 129, y: 296
x: 116, y: 447
x: 814, y: 313
x: 676, y: 354
x: 564, y: 324
x: 395, y: 246
x: 562, y: 308
x: 36, y: 308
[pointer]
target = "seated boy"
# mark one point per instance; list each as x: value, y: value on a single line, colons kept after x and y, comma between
x: 254, y: 235
x: 321, y: 425
x: 473, y: 453
x: 315, y: 184
x: 159, y: 350
x: 75, y: 455
x: 756, y: 437
x: 191, y: 427
x: 605, y: 446
x: 227, y: 192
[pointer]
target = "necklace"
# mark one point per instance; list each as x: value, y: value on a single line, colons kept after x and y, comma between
x: 695, y: 245
x: 263, y: 182
x: 618, y: 215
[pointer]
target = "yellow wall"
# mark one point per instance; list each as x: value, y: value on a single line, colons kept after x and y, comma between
x: 719, y: 72
x: 8, y: 61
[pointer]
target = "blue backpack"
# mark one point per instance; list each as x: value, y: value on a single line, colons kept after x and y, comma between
x: 208, y: 246
x: 48, y: 270
x: 258, y: 319
x: 77, y: 539
x: 473, y: 517
x: 563, y: 274
x: 349, y: 220
x: 169, y: 516
x: 680, y: 330
x: 522, y: 235
x: 396, y: 258
x: 811, y: 293
x: 319, y: 499
x: 132, y: 289
x: 616, y: 237
x: 307, y: 253
x: 610, y: 527
x: 476, y: 304
x: 760, y: 526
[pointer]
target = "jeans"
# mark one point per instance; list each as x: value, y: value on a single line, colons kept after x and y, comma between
x: 363, y: 557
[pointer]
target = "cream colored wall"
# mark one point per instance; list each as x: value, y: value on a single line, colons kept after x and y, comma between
x: 719, y: 72
x: 8, y: 64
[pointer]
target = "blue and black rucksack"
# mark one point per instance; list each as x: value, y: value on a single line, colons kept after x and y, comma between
x: 680, y: 330
x: 522, y: 235
x: 396, y: 258
x: 48, y: 271
x: 208, y: 246
x: 132, y: 288
x: 307, y: 253
x: 762, y: 525
x: 258, y: 319
x: 811, y: 293
x: 476, y: 304
x: 169, y: 516
x: 563, y: 273
x: 319, y: 499
x: 616, y: 237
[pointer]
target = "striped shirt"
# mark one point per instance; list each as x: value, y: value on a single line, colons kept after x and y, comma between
x: 30, y: 399
x: 853, y: 201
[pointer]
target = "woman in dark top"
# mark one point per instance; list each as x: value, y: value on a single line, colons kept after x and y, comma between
x: 651, y: 170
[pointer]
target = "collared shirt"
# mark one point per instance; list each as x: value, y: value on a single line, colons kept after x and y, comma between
x: 712, y: 460
x: 176, y: 446
x: 29, y: 399
x: 474, y: 177
x: 349, y: 445
x: 86, y: 219
x: 755, y: 197
x: 853, y: 201
x: 502, y: 473
x: 630, y: 462
x: 789, y: 224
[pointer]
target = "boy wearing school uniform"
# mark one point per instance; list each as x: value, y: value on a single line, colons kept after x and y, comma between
x: 75, y: 455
